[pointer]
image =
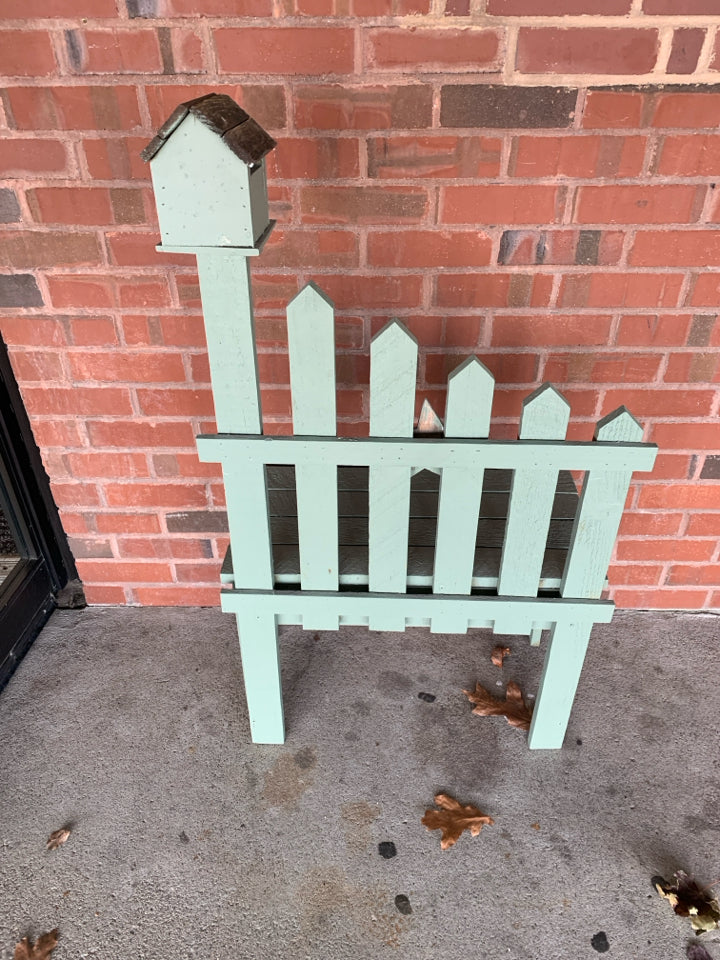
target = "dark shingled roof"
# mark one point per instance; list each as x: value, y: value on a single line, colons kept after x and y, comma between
x: 236, y: 129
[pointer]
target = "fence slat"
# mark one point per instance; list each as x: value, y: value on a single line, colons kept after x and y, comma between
x: 249, y: 524
x: 311, y: 347
x: 469, y: 400
x: 599, y: 513
x: 393, y: 371
x: 545, y: 416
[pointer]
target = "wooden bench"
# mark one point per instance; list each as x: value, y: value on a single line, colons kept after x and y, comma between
x: 450, y: 530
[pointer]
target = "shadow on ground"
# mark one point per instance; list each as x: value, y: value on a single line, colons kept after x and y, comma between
x: 189, y: 842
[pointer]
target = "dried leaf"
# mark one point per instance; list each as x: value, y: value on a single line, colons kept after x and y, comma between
x: 513, y: 707
x: 453, y: 818
x: 57, y: 838
x: 498, y: 655
x: 688, y: 899
x: 696, y: 951
x: 40, y: 950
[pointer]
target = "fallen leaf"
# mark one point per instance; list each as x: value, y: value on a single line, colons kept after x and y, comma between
x: 57, y: 838
x: 453, y: 818
x: 696, y: 951
x: 41, y: 950
x: 498, y: 655
x: 688, y: 899
x: 513, y: 707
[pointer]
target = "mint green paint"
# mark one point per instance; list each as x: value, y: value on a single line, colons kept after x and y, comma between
x: 249, y: 524
x: 561, y: 672
x: 257, y: 631
x: 545, y: 416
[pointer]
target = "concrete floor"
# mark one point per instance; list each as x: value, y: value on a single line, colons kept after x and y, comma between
x: 188, y: 841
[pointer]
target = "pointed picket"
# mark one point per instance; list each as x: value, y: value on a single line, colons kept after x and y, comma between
x: 599, y: 512
x: 469, y: 400
x: 428, y: 421
x: 393, y: 371
x: 545, y: 416
x: 311, y: 347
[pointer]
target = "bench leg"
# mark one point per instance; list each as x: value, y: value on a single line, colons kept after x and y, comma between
x: 561, y: 673
x: 261, y: 670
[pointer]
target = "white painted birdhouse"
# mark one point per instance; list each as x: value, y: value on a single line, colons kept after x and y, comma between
x: 208, y: 173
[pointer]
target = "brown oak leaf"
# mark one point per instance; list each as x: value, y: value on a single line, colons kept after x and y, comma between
x: 453, y: 818
x: 689, y: 899
x: 40, y: 950
x: 513, y: 707
x: 498, y: 655
x: 57, y: 838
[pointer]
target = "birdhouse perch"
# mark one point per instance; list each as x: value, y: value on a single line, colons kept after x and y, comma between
x: 208, y: 172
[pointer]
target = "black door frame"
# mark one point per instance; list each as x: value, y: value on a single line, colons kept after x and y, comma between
x: 28, y: 595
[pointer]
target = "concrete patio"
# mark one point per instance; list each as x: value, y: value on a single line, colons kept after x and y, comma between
x: 189, y: 842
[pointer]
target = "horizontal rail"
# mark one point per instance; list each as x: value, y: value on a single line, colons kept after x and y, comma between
x: 355, y: 608
x: 426, y: 452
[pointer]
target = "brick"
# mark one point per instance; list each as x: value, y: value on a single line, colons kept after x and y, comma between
x: 103, y: 595
x: 711, y: 469
x: 19, y: 290
x: 612, y: 110
x: 35, y: 332
x: 704, y: 525
x: 144, y: 292
x: 667, y: 203
x: 690, y: 155
x: 676, y: 248
x: 130, y: 249
x: 116, y: 158
x: 657, y: 524
x: 660, y: 403
x: 197, y: 521
x: 434, y: 51
x: 22, y: 158
x: 273, y: 293
x: 127, y: 367
x: 505, y: 107
x: 500, y: 204
x: 87, y: 466
x: 319, y: 248
x: 219, y: 8
x: 340, y: 107
x: 362, y: 204
x: 428, y: 249
x: 85, y: 401
x: 198, y: 572
x: 37, y: 365
x: 518, y: 331
x: 184, y: 330
x: 50, y: 9
x: 285, y: 50
x: 75, y: 494
x: 265, y: 102
x: 74, y: 108
x: 602, y: 368
x: 176, y: 402
x: 134, y: 522
x: 632, y: 573
x: 557, y: 8
x: 667, y: 549
x: 188, y: 465
x: 696, y: 109
x: 117, y: 51
x: 705, y: 290
x: 652, y: 331
x: 89, y: 548
x: 492, y: 290
x: 685, y: 436
x: 577, y: 156
x: 93, y: 331
x: 383, y: 8
x: 676, y: 496
x: 155, y: 494
x: 57, y: 433
x: 26, y: 53
x: 693, y: 368
x: 521, y: 368
x: 35, y: 249
x: 701, y: 331
x: 687, y: 575
x: 137, y: 572
x: 686, y: 46
x: 582, y: 247
x: 70, y: 205
x: 320, y: 158
x: 9, y: 207
x: 620, y: 290
x: 355, y: 292
x: 660, y: 599
x: 177, y: 596
x: 677, y: 8
x: 413, y: 157
x: 586, y: 50
x: 128, y: 206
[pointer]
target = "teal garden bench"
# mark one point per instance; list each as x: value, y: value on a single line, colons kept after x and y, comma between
x: 448, y: 530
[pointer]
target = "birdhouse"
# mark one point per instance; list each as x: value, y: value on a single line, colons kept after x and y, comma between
x: 208, y: 172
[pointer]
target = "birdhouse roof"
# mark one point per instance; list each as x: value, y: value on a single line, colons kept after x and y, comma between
x: 237, y: 129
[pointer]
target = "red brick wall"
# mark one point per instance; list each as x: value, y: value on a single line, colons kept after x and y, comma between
x: 530, y: 180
